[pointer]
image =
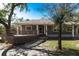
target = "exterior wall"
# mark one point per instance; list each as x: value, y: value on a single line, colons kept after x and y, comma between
x: 51, y: 29
x: 77, y: 30
x: 25, y: 31
x: 66, y: 29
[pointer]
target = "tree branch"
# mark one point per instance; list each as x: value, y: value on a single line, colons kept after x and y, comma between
x: 11, y: 13
x: 10, y: 16
x: 17, y: 4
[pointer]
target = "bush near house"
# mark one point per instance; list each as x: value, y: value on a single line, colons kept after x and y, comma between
x: 1, y: 30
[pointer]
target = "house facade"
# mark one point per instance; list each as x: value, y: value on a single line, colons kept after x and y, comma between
x: 45, y: 27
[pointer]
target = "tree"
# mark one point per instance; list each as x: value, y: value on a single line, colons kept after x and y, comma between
x: 9, y: 10
x: 60, y: 13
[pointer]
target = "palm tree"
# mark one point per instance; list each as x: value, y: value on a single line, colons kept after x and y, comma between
x: 59, y: 19
x: 60, y: 13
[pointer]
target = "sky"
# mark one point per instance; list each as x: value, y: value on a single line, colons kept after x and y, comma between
x: 31, y: 13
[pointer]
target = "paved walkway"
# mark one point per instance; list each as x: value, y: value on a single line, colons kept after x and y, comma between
x: 21, y: 49
x: 29, y: 49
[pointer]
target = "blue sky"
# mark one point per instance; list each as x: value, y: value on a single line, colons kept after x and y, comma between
x: 32, y: 12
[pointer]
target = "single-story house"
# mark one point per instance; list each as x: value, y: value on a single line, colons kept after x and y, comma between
x: 45, y: 27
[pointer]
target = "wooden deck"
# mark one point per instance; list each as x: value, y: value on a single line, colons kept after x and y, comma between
x: 50, y: 35
x: 21, y: 39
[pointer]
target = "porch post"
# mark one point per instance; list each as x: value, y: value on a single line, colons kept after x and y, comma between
x: 17, y: 30
x: 37, y: 29
x: 77, y: 30
x: 73, y: 31
x: 20, y: 29
x: 46, y: 30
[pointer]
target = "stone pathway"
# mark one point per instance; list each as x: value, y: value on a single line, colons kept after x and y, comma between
x: 28, y: 49
x: 40, y: 50
x: 25, y: 52
x: 19, y: 51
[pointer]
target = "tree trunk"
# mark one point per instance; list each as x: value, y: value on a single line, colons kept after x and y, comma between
x: 8, y: 30
x: 60, y: 33
x: 5, y: 25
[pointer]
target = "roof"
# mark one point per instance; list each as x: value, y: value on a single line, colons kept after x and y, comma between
x: 36, y: 22
x: 40, y: 22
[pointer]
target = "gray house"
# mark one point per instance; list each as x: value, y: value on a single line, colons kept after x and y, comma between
x: 45, y: 27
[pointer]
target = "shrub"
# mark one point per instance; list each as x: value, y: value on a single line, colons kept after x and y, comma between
x: 1, y: 30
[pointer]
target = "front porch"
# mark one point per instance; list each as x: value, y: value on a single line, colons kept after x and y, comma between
x: 32, y: 30
x: 48, y: 30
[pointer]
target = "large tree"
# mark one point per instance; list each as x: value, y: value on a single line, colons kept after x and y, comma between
x: 60, y: 13
x: 9, y: 12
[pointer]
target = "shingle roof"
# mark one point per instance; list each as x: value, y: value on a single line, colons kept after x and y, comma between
x: 39, y: 22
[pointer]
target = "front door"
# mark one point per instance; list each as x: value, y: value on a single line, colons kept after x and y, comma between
x: 41, y: 29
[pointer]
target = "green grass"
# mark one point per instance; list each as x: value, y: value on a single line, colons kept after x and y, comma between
x: 70, y: 47
x: 70, y: 44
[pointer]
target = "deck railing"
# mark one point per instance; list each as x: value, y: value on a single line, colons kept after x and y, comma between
x: 28, y: 32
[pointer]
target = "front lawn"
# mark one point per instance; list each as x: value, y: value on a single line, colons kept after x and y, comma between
x: 70, y: 47
x: 70, y: 44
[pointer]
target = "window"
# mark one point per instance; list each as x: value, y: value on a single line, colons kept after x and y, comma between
x: 67, y: 28
x: 28, y: 28
x: 55, y: 29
